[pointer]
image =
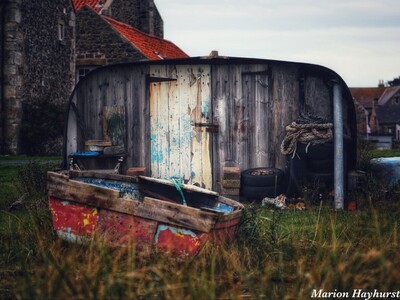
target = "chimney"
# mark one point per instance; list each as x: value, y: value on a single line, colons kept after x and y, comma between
x: 381, y: 84
x: 213, y: 54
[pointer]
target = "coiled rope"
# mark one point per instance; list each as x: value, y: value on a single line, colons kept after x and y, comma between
x: 178, y: 183
x: 310, y: 130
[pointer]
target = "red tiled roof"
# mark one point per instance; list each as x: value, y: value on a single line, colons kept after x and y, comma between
x: 366, y: 96
x: 152, y: 47
x: 94, y: 4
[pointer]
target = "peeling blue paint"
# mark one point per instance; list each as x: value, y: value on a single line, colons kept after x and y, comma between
x: 70, y: 237
x: 205, y: 108
x: 86, y: 153
x: 127, y: 190
x: 156, y: 151
x: 225, y: 208
x: 186, y: 135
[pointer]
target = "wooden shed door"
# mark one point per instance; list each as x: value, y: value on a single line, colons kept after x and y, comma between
x: 179, y: 124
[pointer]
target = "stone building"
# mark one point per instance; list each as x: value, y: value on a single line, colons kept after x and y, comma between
x: 45, y: 44
x: 37, y: 62
x: 102, y: 40
x: 388, y: 112
x: 381, y: 110
x: 140, y: 14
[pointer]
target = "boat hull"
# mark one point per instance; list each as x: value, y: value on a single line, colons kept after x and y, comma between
x: 82, y: 210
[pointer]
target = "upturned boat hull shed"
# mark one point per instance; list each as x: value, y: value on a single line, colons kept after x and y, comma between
x: 191, y: 118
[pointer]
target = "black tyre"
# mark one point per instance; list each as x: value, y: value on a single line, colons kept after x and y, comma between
x: 320, y: 165
x: 320, y: 151
x: 258, y: 193
x: 297, y: 176
x: 262, y: 177
x: 320, y: 178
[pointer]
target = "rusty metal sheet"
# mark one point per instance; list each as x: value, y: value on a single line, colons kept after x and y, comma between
x: 225, y: 231
x: 121, y: 229
x: 179, y: 241
x: 73, y: 221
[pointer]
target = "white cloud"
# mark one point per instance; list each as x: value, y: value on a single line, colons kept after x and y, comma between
x: 356, y: 38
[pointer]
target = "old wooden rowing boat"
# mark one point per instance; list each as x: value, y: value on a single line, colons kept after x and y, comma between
x: 148, y: 212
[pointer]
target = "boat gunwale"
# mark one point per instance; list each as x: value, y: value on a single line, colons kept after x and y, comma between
x: 64, y: 187
x: 237, y: 206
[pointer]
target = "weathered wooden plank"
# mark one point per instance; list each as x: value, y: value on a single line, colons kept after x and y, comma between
x: 95, y: 174
x: 263, y: 121
x: 317, y: 95
x: 155, y: 154
x: 200, y: 104
x: 218, y: 88
x: 243, y: 111
x: 286, y: 107
x: 189, y: 212
x: 178, y: 144
x: 159, y: 123
x: 137, y: 119
x: 190, y: 188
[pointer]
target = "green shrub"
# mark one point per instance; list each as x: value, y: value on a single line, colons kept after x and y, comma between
x: 42, y: 127
x: 364, y: 153
x: 32, y: 178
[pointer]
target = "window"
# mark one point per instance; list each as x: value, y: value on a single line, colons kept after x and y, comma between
x: 82, y: 72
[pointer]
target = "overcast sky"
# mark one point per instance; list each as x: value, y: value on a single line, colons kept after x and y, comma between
x: 359, y: 39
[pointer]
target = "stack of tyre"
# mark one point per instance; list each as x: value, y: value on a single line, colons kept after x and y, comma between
x: 319, y: 161
x: 258, y: 183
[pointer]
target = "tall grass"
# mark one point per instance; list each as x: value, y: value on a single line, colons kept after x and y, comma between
x: 277, y: 255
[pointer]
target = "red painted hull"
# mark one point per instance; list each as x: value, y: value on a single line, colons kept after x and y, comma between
x: 79, y: 221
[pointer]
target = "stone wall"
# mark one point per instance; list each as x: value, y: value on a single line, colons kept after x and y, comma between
x: 38, y: 66
x: 158, y: 23
x: 98, y: 43
x: 48, y: 60
x: 11, y: 74
x: 141, y: 14
x: 2, y: 40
